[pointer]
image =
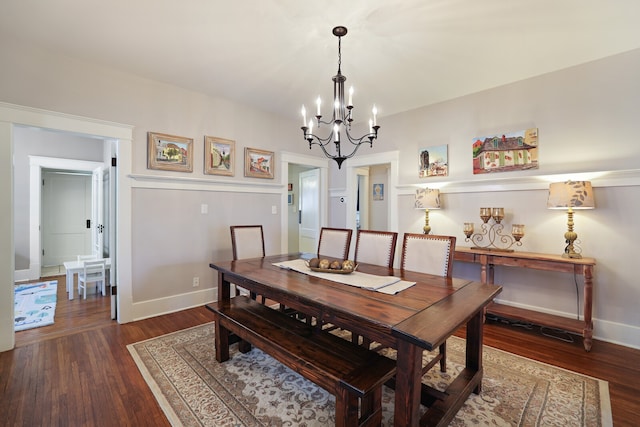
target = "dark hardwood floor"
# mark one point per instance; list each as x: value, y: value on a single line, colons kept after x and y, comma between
x: 78, y: 372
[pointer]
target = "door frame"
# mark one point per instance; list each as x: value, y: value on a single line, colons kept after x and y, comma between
x: 12, y: 115
x: 287, y: 158
x: 391, y: 158
x: 36, y: 164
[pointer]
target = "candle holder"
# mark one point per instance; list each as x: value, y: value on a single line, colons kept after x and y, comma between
x: 491, y: 237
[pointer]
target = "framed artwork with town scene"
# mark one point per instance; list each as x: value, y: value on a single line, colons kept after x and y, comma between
x: 258, y: 163
x: 170, y: 152
x: 433, y: 161
x: 507, y: 152
x: 219, y: 156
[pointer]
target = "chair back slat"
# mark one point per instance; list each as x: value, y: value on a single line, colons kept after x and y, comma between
x: 376, y: 247
x: 428, y: 253
x: 247, y: 241
x: 334, y: 242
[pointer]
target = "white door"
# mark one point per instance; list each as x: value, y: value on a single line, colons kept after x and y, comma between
x: 362, y: 210
x: 309, y: 210
x: 66, y: 208
x: 97, y: 213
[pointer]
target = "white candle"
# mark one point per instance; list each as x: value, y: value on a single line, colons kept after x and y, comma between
x: 370, y: 126
x: 310, y: 131
x: 375, y: 114
x: 336, y: 133
x: 318, y: 102
x: 351, y: 96
x: 304, y: 116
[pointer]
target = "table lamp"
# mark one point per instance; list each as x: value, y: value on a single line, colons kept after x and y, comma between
x: 570, y: 195
x: 427, y: 198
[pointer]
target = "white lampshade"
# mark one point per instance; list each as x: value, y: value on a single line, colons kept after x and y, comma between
x: 571, y: 194
x: 427, y: 198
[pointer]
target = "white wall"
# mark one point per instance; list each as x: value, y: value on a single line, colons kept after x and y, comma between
x: 586, y: 118
x: 67, y: 85
x: 587, y: 122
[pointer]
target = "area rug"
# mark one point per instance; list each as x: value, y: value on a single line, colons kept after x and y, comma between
x: 34, y: 304
x: 253, y: 389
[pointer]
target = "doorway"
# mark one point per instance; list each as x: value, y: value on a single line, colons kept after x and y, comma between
x: 39, y: 165
x: 65, y: 219
x: 355, y: 167
x: 289, y: 222
x: 308, y: 210
x: 121, y: 136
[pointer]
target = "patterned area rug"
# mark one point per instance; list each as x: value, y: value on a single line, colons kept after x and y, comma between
x: 34, y: 304
x: 255, y: 390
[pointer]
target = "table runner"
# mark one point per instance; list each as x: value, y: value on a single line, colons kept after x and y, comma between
x: 386, y: 284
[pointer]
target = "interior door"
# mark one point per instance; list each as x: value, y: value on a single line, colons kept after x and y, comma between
x: 97, y: 212
x: 309, y: 210
x: 362, y: 205
x: 66, y: 207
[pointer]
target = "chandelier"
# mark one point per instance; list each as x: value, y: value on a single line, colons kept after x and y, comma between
x: 342, y: 116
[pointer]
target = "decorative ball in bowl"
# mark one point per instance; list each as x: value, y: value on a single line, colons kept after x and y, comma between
x: 325, y: 265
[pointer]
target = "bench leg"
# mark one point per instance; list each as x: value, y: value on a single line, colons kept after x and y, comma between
x: 346, y: 409
x: 371, y: 408
x: 221, y: 341
x: 244, y: 346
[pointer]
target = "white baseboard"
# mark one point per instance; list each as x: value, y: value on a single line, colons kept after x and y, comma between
x: 603, y: 330
x: 21, y: 275
x: 157, y: 307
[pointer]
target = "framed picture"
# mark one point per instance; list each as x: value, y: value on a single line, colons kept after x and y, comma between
x: 290, y: 198
x: 290, y: 186
x: 433, y: 161
x: 219, y: 156
x: 169, y: 152
x: 506, y: 152
x: 258, y: 163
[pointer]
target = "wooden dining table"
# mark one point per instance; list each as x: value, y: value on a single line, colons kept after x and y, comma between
x: 416, y: 319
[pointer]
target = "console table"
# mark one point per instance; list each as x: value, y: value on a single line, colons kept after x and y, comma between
x: 580, y: 266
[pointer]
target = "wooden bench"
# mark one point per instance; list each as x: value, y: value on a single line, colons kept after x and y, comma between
x: 350, y: 372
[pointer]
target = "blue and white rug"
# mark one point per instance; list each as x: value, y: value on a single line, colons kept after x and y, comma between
x: 35, y: 304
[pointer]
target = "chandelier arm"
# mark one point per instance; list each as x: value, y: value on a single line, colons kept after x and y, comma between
x: 361, y: 140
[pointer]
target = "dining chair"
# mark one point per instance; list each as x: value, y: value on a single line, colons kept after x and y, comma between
x: 87, y: 257
x: 334, y: 243
x: 247, y: 241
x: 375, y: 247
x: 93, y: 271
x: 430, y: 254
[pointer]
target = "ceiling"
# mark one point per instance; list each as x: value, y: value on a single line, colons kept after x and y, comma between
x: 278, y: 54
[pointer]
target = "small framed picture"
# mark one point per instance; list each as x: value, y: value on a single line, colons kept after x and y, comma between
x: 433, y: 161
x: 258, y: 163
x: 219, y: 156
x: 169, y: 152
x: 290, y: 198
x: 378, y: 191
x: 289, y: 187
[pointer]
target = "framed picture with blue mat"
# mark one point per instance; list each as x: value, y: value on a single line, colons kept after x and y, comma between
x: 35, y: 304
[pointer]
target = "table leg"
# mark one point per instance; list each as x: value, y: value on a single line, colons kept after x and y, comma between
x: 475, y: 335
x: 587, y: 332
x: 408, y: 385
x: 70, y: 284
x: 222, y: 333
